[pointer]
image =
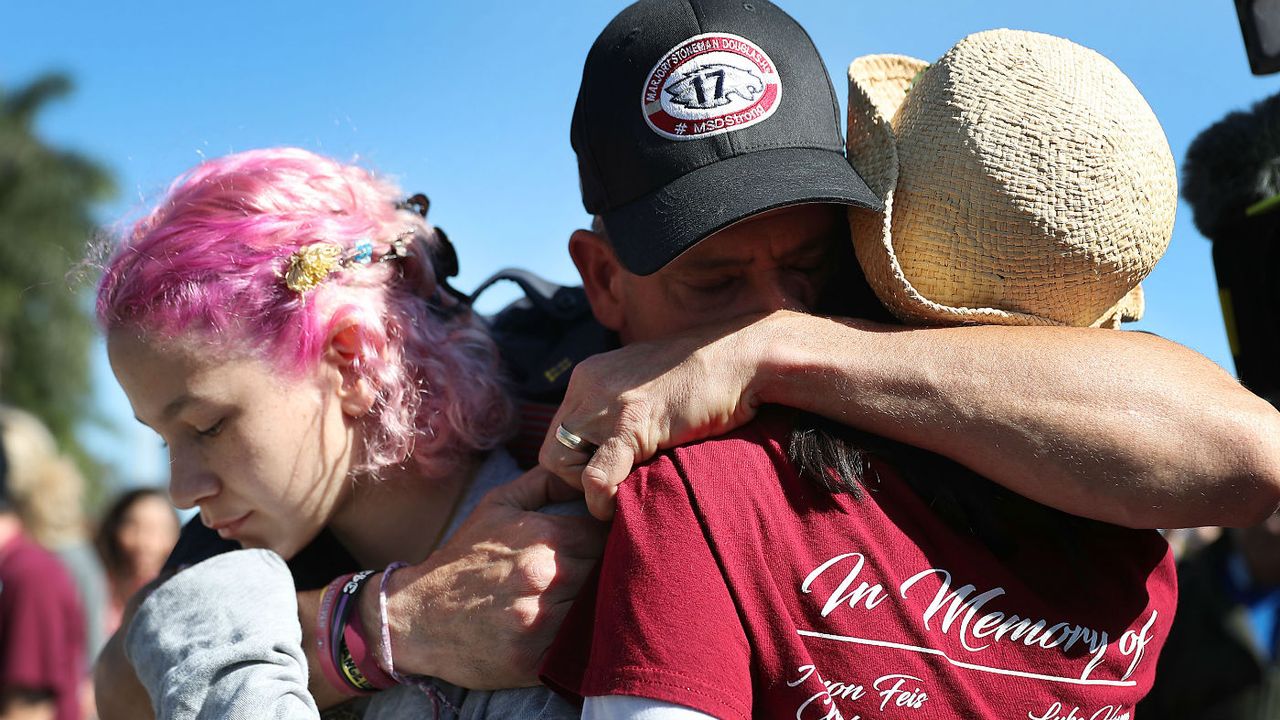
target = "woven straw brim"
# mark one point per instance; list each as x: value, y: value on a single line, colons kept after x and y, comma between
x: 1025, y: 182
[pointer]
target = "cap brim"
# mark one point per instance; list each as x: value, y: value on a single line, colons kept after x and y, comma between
x: 650, y: 232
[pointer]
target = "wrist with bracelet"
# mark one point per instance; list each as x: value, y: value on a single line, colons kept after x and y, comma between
x: 348, y: 661
x: 344, y: 656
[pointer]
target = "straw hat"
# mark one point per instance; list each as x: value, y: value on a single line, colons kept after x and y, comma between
x: 1025, y: 182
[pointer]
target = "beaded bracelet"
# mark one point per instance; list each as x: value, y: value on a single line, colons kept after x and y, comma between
x: 388, y: 661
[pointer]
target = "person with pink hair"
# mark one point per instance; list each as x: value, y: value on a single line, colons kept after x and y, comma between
x: 266, y: 321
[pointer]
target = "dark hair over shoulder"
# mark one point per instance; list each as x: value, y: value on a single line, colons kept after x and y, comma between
x: 840, y: 459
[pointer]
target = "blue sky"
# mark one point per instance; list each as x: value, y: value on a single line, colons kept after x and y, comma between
x: 470, y: 103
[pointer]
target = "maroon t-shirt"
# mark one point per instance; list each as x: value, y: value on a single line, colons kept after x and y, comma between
x: 42, y: 636
x: 734, y: 586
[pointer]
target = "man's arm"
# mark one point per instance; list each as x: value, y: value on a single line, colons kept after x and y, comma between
x: 1118, y: 426
x: 481, y: 611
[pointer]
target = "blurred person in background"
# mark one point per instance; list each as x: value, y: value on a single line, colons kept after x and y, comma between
x: 1185, y: 541
x: 42, y: 628
x: 48, y: 492
x: 135, y: 536
x: 1222, y: 659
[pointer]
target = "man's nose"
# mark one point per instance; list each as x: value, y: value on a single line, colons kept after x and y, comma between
x: 190, y: 481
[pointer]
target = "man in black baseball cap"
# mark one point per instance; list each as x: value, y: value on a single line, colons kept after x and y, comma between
x: 692, y: 116
x: 42, y: 633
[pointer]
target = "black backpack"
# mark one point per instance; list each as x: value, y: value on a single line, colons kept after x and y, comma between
x: 541, y: 336
x: 544, y: 334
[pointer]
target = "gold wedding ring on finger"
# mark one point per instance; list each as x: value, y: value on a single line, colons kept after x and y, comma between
x: 574, y: 442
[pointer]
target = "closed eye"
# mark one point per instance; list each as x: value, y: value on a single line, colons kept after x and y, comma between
x: 211, y: 431
x: 810, y: 262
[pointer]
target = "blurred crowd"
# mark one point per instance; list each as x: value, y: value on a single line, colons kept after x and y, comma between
x: 64, y: 576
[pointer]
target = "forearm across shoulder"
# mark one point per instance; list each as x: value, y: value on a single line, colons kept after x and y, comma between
x: 1119, y: 426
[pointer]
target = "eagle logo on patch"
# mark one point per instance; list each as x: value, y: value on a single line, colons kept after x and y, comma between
x: 710, y: 84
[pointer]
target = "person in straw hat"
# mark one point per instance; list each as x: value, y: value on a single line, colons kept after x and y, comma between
x: 1020, y: 189
x: 797, y: 568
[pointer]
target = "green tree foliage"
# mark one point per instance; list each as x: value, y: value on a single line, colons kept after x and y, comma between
x: 46, y: 327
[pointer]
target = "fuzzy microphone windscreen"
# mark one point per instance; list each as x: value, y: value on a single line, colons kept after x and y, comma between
x: 1232, y: 165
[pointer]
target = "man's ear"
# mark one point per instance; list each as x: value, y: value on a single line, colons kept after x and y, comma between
x: 601, y: 276
x: 348, y: 345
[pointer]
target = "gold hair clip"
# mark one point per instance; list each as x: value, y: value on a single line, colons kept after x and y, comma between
x: 311, y: 265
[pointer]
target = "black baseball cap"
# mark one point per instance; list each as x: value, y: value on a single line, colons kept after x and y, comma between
x: 696, y: 114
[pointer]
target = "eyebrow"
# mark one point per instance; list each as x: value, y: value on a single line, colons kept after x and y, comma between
x: 173, y: 408
x: 176, y: 406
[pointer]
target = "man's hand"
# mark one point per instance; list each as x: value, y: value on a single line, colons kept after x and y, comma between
x: 639, y: 399
x: 482, y: 610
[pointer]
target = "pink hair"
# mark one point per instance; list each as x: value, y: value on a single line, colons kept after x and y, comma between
x: 209, y: 260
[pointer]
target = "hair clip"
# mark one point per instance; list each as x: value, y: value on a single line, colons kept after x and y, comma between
x: 312, y: 264
x: 399, y: 248
x: 363, y: 252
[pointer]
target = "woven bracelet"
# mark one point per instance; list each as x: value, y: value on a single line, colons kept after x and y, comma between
x: 387, y: 660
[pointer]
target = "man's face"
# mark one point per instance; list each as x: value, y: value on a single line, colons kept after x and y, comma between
x: 777, y: 260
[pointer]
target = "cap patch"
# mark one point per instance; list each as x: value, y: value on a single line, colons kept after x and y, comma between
x: 710, y: 84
